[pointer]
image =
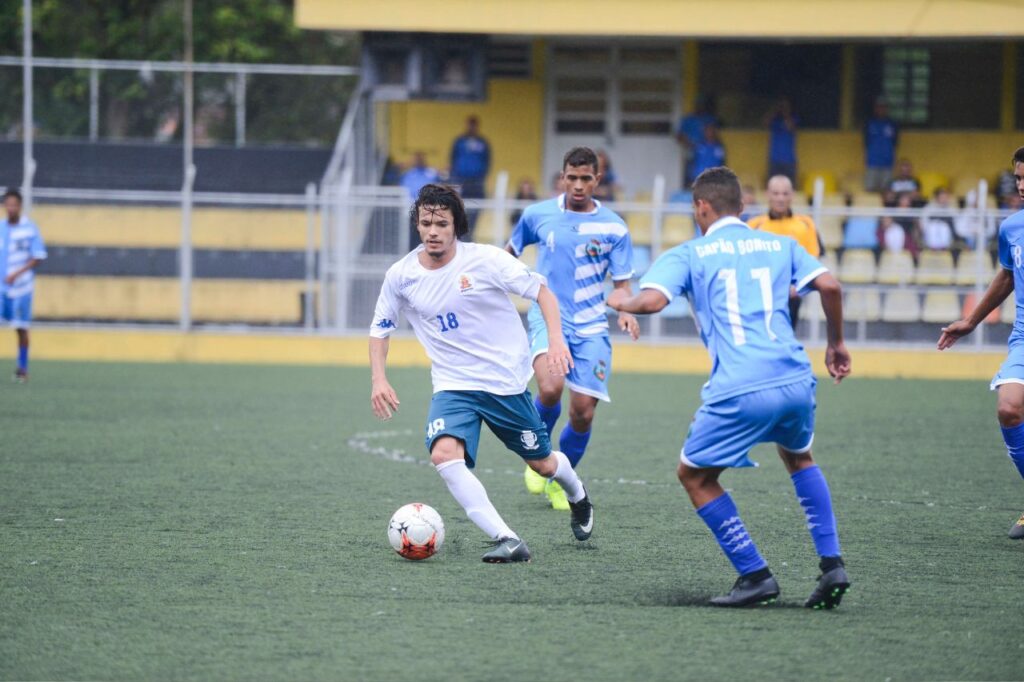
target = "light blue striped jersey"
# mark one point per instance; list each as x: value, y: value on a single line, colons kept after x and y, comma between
x: 738, y: 280
x: 20, y: 243
x: 575, y: 253
x: 1011, y: 257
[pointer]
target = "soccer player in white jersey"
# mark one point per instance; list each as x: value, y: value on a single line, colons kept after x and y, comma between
x: 761, y: 388
x: 21, y: 250
x: 579, y: 244
x: 1009, y: 382
x: 456, y: 296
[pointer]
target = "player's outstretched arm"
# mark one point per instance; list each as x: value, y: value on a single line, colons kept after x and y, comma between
x: 383, y: 398
x: 627, y: 322
x: 998, y: 290
x: 837, y: 358
x: 646, y: 302
x: 559, y: 358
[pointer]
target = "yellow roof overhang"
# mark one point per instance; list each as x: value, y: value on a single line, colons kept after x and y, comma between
x: 779, y: 19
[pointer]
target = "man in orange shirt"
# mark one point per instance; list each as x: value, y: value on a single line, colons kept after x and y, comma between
x: 781, y: 220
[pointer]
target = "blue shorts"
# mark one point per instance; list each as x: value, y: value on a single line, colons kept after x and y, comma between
x: 591, y: 356
x: 17, y: 311
x: 512, y: 418
x: 1012, y: 369
x: 723, y: 433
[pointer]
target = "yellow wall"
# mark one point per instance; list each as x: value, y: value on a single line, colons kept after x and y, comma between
x: 511, y: 118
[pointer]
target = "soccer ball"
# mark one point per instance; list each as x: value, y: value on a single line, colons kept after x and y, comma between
x: 416, y: 531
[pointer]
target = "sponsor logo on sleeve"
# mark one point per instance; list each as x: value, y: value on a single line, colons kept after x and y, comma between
x: 386, y: 324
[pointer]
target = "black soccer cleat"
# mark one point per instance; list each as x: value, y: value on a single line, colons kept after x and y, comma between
x: 582, y: 522
x: 832, y: 585
x: 1017, y: 529
x: 750, y: 590
x: 506, y: 551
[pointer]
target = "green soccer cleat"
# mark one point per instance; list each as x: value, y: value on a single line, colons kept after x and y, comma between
x: 832, y: 585
x: 534, y: 481
x: 556, y: 496
x: 1017, y: 529
x: 507, y: 551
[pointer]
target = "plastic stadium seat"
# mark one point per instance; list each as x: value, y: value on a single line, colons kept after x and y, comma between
x: 941, y: 307
x: 858, y: 266
x: 863, y: 304
x: 639, y: 224
x: 895, y: 267
x: 867, y: 199
x: 970, y: 301
x: 1008, y: 312
x: 811, y: 176
x: 676, y: 229
x: 829, y: 261
x: 831, y: 231
x: 931, y: 181
x: 967, y: 269
x: 834, y: 199
x: 860, y: 233
x: 901, y: 306
x: 935, y: 267
x: 964, y: 185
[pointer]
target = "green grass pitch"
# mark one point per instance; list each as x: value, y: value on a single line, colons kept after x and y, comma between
x: 228, y: 522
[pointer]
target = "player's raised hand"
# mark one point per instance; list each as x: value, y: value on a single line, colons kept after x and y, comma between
x: 837, y: 361
x: 629, y: 324
x: 559, y: 358
x: 954, y: 332
x: 383, y: 399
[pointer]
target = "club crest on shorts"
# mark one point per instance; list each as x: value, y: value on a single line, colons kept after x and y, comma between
x: 529, y: 439
x: 601, y: 370
x: 465, y: 283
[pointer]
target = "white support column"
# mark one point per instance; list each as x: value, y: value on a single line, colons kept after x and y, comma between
x: 657, y: 218
x: 980, y: 253
x: 27, y: 116
x: 500, y: 209
x: 817, y: 202
x: 185, y: 247
x: 94, y: 104
x: 307, y: 303
x: 240, y: 82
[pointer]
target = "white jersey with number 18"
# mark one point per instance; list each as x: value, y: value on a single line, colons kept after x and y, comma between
x: 462, y: 315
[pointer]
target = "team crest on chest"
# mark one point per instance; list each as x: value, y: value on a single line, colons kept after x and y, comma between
x: 593, y: 248
x: 529, y: 439
x: 465, y: 283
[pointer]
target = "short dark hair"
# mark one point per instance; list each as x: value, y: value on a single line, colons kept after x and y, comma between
x: 1018, y: 156
x: 580, y: 156
x: 443, y: 196
x: 13, y: 193
x: 720, y: 187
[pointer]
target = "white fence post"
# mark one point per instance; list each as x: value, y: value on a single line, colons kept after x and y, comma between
x: 980, y: 253
x: 240, y: 79
x: 185, y: 250
x: 307, y: 303
x: 500, y: 208
x: 816, y: 205
x: 27, y: 115
x: 657, y: 215
x: 94, y: 104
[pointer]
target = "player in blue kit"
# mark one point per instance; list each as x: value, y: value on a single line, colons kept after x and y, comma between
x: 1009, y: 382
x: 21, y: 250
x: 579, y: 244
x: 761, y: 388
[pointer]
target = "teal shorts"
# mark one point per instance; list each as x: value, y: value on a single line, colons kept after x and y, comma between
x: 512, y: 418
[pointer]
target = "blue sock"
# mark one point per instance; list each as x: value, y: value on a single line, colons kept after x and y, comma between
x: 1014, y: 439
x: 573, y: 444
x: 723, y: 519
x: 813, y: 495
x: 548, y: 415
x: 23, y: 358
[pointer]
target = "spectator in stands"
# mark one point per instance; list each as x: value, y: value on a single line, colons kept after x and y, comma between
x: 938, y: 222
x: 556, y: 184
x: 418, y: 175
x: 782, y: 123
x: 470, y: 161
x: 1006, y: 189
x: 881, y: 135
x: 781, y: 220
x: 525, y: 192
x: 709, y: 152
x: 690, y: 133
x: 904, y: 181
x: 900, y: 232
x: 608, y: 186
x: 749, y: 202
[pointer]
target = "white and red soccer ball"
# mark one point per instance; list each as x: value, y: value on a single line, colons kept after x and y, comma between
x: 416, y: 531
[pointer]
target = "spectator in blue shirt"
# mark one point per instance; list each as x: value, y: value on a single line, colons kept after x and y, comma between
x: 782, y: 140
x: 690, y: 133
x: 709, y: 152
x: 881, y: 135
x: 470, y: 163
x: 608, y: 187
x: 419, y: 175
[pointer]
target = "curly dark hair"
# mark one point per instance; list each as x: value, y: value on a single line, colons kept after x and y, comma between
x: 442, y: 196
x: 580, y: 156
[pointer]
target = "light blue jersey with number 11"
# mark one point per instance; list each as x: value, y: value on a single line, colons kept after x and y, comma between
x: 738, y: 282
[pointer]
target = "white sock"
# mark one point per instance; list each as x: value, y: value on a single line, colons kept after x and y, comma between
x: 469, y: 492
x: 567, y: 478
